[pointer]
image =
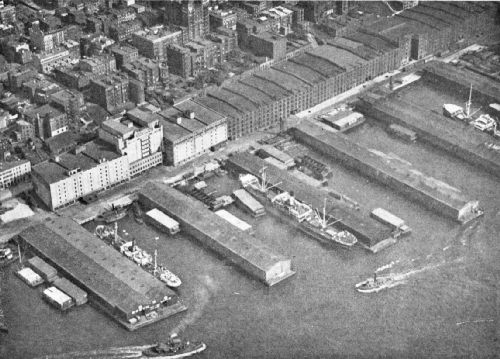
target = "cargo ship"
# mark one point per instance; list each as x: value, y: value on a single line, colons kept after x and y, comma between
x: 174, y: 348
x: 130, y: 250
x: 113, y: 215
x: 302, y: 216
x: 377, y: 283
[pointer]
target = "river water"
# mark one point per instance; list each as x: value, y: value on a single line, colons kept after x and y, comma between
x: 446, y: 308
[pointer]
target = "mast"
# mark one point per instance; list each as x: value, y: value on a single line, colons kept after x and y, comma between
x: 156, y: 254
x: 468, y: 103
x: 116, y: 232
x: 20, y: 257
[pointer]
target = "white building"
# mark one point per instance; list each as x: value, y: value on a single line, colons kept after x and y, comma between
x: 189, y: 130
x: 70, y: 176
x: 12, y: 173
x: 139, y: 137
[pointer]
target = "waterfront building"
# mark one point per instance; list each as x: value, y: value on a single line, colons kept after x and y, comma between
x: 189, y: 130
x: 14, y: 172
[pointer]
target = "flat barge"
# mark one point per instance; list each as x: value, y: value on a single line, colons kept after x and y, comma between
x: 453, y: 137
x: 370, y: 234
x: 247, y: 252
x: 392, y: 172
x: 130, y: 295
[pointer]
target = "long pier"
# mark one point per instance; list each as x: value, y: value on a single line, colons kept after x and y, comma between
x: 393, y: 172
x: 247, y: 252
x: 129, y: 294
x: 370, y: 233
x: 457, y: 139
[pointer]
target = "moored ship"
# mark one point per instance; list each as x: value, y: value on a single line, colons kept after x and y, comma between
x: 301, y: 215
x: 113, y: 215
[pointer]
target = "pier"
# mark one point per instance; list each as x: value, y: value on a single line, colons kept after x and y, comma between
x: 247, y: 252
x: 370, y: 233
x: 453, y: 137
x: 129, y: 294
x: 392, y: 172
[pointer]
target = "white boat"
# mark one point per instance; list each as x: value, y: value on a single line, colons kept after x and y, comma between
x: 377, y: 283
x: 168, y: 277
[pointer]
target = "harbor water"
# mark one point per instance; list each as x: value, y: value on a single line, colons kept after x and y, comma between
x: 446, y: 308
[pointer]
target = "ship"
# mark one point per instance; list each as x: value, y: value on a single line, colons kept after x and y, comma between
x: 113, y: 215
x: 137, y: 212
x: 174, y: 348
x: 130, y: 250
x: 377, y: 283
x: 301, y: 215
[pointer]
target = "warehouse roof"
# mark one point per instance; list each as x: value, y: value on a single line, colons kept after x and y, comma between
x: 98, y: 267
x: 375, y: 42
x: 301, y: 72
x: 172, y: 131
x: 267, y: 87
x: 436, y: 16
x: 287, y: 82
x: 219, y: 106
x: 318, y: 64
x: 232, y: 99
x: 201, y: 113
x: 257, y: 97
x: 338, y: 56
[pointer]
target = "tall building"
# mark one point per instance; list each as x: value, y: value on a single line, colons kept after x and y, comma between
x: 7, y: 14
x: 153, y: 42
x: 110, y: 92
x: 46, y: 42
x: 48, y: 121
x: 138, y: 137
x: 179, y: 61
x: 191, y: 14
x: 70, y: 176
x: 14, y: 172
x: 124, y: 54
x: 144, y: 70
x: 189, y: 130
x: 98, y: 65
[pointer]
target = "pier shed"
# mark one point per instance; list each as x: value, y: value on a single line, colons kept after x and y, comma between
x: 79, y: 296
x: 46, y: 271
x: 247, y: 252
x: 401, y: 176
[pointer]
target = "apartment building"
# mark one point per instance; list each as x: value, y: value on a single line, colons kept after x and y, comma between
x: 153, y: 42
x: 110, y: 92
x: 14, y: 172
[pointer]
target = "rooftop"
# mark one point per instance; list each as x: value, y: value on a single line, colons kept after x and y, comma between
x: 7, y: 165
x: 338, y: 56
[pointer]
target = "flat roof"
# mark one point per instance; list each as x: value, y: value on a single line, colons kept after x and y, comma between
x: 4, y: 165
x: 99, y: 268
x: 375, y: 42
x: 201, y: 113
x: 172, y: 131
x: 236, y: 100
x: 444, y: 17
x: 338, y: 56
x: 193, y: 212
x: 444, y: 7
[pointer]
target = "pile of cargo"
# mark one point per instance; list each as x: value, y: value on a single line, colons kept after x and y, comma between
x: 29, y: 277
x: 313, y: 168
x: 163, y: 222
x: 57, y: 298
x: 78, y: 295
x: 248, y: 203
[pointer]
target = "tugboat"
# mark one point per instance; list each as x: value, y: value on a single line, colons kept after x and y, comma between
x: 376, y: 284
x: 174, y: 348
x: 115, y: 214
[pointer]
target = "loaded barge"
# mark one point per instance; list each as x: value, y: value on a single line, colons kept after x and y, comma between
x: 247, y: 252
x: 391, y: 171
x: 130, y: 295
x: 370, y: 234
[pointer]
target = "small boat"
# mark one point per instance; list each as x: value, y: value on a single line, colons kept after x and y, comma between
x: 7, y: 256
x: 115, y: 214
x: 377, y: 283
x: 174, y: 348
x: 168, y: 277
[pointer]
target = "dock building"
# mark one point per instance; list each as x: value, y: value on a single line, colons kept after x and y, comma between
x: 460, y: 140
x: 247, y: 252
x: 113, y: 283
x: 392, y: 172
x: 369, y: 232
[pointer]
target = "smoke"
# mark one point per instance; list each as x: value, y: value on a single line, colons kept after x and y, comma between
x: 202, y: 296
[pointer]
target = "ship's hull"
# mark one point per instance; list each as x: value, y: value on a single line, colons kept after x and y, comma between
x: 149, y: 353
x: 111, y: 217
x: 303, y: 226
x: 367, y: 286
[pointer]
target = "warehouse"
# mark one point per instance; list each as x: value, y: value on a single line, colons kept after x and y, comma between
x: 247, y: 252
x: 115, y: 284
x: 428, y: 191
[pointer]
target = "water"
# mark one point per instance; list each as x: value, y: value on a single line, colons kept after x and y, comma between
x: 447, y: 306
